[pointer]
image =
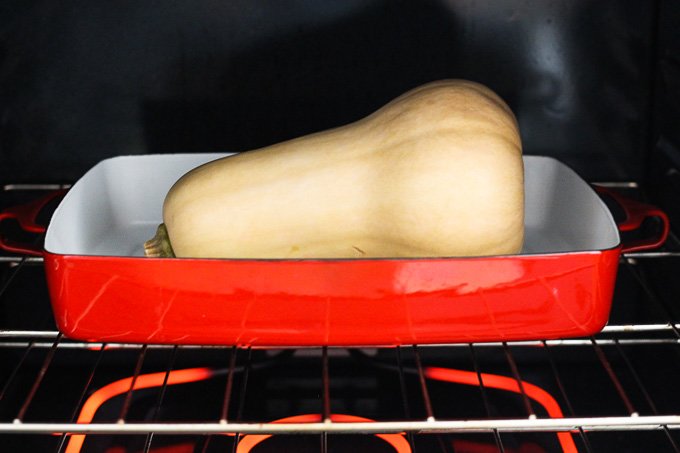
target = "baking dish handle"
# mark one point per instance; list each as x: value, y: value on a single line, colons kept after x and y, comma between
x: 26, y: 215
x: 636, y: 213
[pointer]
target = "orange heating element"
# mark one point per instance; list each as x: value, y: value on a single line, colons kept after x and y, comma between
x: 247, y: 442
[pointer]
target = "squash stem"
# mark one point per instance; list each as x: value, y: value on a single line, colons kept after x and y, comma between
x: 159, y: 246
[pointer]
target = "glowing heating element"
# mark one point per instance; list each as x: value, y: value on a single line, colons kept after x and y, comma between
x: 397, y: 441
x: 119, y: 387
x: 534, y: 392
x: 247, y: 442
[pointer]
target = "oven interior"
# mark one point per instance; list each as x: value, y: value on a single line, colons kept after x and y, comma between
x: 594, y: 84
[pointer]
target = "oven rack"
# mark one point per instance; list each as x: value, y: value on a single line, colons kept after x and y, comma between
x: 645, y: 397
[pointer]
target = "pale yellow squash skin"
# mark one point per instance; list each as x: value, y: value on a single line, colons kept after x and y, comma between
x: 436, y: 172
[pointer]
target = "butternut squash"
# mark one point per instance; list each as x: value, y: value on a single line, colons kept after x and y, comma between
x: 436, y: 172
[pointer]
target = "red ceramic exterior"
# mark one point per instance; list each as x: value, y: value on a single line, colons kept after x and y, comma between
x: 331, y: 302
x: 380, y: 302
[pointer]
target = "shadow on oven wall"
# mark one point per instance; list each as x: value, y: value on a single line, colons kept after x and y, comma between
x: 81, y: 81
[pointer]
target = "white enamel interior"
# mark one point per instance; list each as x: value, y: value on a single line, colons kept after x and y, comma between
x: 117, y: 205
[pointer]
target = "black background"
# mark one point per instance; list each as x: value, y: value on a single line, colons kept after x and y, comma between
x: 594, y: 83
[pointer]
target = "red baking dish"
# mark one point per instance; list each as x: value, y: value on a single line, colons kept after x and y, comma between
x: 103, y: 289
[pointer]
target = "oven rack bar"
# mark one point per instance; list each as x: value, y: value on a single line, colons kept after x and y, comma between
x: 631, y: 423
x: 39, y: 339
x: 33, y: 339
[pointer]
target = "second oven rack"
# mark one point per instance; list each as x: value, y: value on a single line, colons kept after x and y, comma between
x: 616, y: 336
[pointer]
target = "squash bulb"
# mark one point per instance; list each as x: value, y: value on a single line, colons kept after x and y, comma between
x: 437, y: 172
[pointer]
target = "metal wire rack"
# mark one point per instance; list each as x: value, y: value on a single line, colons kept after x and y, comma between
x: 616, y: 388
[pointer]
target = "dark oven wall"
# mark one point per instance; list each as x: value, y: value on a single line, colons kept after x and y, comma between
x: 665, y: 159
x: 81, y: 81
